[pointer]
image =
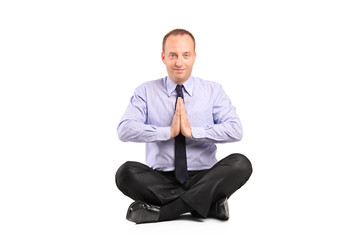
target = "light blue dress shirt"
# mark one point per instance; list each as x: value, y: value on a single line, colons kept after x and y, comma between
x: 150, y: 112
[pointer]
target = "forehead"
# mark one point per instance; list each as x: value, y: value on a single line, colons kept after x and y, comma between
x: 179, y: 43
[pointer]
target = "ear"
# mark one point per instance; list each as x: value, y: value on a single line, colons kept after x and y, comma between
x: 163, y: 57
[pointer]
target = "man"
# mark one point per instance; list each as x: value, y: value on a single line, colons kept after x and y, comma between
x: 180, y: 118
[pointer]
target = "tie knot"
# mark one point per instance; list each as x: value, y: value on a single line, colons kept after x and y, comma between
x: 179, y: 91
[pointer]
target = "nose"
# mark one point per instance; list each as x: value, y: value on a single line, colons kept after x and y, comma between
x: 179, y: 61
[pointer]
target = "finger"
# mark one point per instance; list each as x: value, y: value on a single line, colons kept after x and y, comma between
x: 182, y: 105
x: 178, y: 107
x: 178, y: 103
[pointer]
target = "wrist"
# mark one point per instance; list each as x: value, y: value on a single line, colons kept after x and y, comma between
x: 198, y: 133
x: 162, y: 133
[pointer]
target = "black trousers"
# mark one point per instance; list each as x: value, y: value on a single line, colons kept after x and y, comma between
x: 200, y: 191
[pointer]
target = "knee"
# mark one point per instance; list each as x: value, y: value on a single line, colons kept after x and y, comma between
x: 241, y: 164
x: 123, y: 175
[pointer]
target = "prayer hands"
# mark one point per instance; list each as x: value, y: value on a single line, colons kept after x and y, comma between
x: 180, y: 122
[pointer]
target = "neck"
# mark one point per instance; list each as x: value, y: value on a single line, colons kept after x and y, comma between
x: 179, y: 82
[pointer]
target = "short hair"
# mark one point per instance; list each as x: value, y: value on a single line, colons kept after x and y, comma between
x: 176, y: 32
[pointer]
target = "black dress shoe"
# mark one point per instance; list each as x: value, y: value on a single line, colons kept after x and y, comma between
x: 141, y: 212
x: 196, y: 214
x: 220, y: 209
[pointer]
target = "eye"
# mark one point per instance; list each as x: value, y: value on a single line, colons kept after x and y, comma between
x: 187, y: 55
x: 172, y: 56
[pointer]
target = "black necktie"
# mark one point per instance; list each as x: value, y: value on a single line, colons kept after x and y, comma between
x: 181, y: 172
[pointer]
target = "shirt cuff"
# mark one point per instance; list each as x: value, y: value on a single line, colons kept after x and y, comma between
x: 198, y: 132
x: 163, y: 133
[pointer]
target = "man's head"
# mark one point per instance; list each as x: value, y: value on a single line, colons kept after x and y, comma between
x: 179, y: 54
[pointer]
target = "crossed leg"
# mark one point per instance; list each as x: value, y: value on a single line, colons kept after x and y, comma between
x: 199, y: 192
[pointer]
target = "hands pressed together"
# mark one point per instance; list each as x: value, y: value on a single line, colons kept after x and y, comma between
x: 180, y: 122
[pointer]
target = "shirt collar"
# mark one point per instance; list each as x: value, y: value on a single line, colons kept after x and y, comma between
x: 188, y: 85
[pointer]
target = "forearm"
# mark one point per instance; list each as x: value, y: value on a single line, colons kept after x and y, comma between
x: 218, y: 133
x: 132, y: 131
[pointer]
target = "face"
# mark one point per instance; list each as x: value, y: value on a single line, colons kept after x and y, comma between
x: 179, y: 57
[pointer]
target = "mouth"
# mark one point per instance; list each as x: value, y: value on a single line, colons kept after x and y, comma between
x: 179, y: 70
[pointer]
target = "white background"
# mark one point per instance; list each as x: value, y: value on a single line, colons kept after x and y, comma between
x: 69, y: 68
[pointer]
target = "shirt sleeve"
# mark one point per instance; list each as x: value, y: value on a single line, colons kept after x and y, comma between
x: 227, y: 125
x: 133, y: 127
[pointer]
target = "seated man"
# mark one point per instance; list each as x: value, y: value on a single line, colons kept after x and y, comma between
x: 180, y: 118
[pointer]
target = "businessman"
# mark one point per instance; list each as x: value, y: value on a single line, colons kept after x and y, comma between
x: 180, y: 118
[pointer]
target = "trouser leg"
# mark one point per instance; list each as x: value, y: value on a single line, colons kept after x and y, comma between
x: 140, y: 182
x: 222, y: 180
x: 203, y: 188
